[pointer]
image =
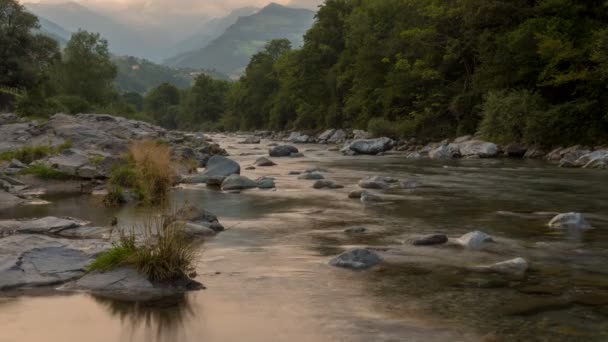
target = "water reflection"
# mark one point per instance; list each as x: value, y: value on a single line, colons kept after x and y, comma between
x: 157, y: 321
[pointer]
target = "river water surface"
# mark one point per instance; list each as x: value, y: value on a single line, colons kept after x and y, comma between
x: 267, y: 276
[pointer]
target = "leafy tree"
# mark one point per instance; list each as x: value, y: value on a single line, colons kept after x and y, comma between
x: 162, y: 105
x: 204, y: 103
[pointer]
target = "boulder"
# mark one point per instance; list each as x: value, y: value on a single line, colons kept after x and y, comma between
x: 445, y: 151
x: 127, y: 284
x: 475, y: 240
x: 338, y: 137
x: 369, y: 146
x: 478, y: 148
x: 324, y: 137
x: 514, y: 150
x: 16, y: 164
x: 238, y: 182
x: 516, y: 267
x: 220, y: 166
x: 68, y: 161
x: 429, y: 240
x: 299, y: 138
x: 357, y: 259
x: 368, y: 197
x: 534, y: 152
x: 252, y: 140
x: 265, y: 183
x: 282, y: 151
x: 311, y: 176
x: 413, y: 156
x: 569, y: 221
x: 199, y: 216
x: 359, y: 134
x: 373, y: 183
x: 462, y: 139
x: 327, y: 184
x: 263, y: 162
x: 355, y: 194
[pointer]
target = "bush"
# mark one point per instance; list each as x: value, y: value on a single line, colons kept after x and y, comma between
x: 164, y: 255
x: 124, y: 176
x: 27, y: 154
x: 507, y: 116
x: 380, y: 127
x: 46, y: 172
x: 153, y: 171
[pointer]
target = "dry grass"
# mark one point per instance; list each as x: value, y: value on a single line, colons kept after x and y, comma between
x: 153, y: 170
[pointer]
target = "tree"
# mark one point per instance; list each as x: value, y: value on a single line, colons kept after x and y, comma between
x: 204, y: 103
x: 162, y: 105
x: 86, y: 69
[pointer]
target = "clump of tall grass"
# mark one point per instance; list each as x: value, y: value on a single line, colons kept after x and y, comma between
x: 165, y: 254
x: 29, y: 154
x: 46, y: 172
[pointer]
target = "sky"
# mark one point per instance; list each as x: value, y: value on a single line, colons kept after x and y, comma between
x: 209, y: 7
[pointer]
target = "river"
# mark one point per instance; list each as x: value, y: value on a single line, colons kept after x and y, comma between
x: 267, y: 275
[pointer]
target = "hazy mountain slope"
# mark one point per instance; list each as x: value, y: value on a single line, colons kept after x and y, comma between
x: 231, y: 51
x: 54, y: 31
x: 211, y: 30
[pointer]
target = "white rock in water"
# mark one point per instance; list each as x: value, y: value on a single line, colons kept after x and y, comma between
x: 475, y: 240
x: 569, y: 221
x: 515, y: 267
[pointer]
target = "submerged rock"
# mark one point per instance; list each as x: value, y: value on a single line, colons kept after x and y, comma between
x: 311, y: 176
x: 220, y: 166
x: 368, y: 197
x: 357, y: 259
x: 569, y: 221
x: 430, y: 240
x: 475, y: 240
x: 516, y: 267
x: 356, y: 230
x: 127, y: 284
x: 327, y: 184
x: 282, y: 151
x: 238, y: 182
x: 263, y: 162
x: 369, y: 146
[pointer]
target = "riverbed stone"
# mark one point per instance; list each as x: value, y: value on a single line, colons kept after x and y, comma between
x: 569, y: 221
x: 326, y: 184
x: 127, y: 284
x: 311, y: 176
x: 299, y: 138
x: 356, y: 230
x: 357, y: 259
x: 265, y: 183
x: 369, y: 197
x: 222, y: 167
x: 369, y: 146
x: 8, y: 200
x: 515, y: 267
x: 355, y: 194
x: 199, y: 216
x: 373, y: 183
x: 264, y: 162
x: 251, y: 140
x: 282, y: 151
x: 475, y: 240
x: 238, y: 182
x: 430, y: 240
x: 478, y: 148
x: 445, y: 151
x: 323, y: 137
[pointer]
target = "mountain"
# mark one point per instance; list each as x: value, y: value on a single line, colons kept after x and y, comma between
x: 140, y: 75
x: 211, y: 30
x: 50, y: 29
x: 123, y: 39
x: 231, y: 51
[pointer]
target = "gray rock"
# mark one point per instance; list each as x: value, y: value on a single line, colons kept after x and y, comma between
x: 196, y: 230
x: 323, y: 137
x: 326, y: 184
x: 413, y: 156
x: 215, y: 180
x: 534, y: 152
x: 282, y: 151
x: 194, y: 179
x: 595, y: 155
x: 514, y: 150
x: 462, y: 139
x: 296, y: 155
x: 222, y: 167
x: 238, y: 182
x: 408, y: 184
x: 357, y: 259
x: 88, y: 172
x: 127, y: 284
x: 69, y: 161
x: 368, y: 197
x: 448, y: 151
x: 355, y: 194
x: 8, y: 200
x: 252, y: 140
x: 430, y: 240
x: 200, y: 217
x: 569, y: 221
x: 369, y: 146
x: 16, y: 164
x: 338, y: 137
x: 299, y: 138
x: 372, y: 184
x: 356, y: 230
x: 475, y: 240
x: 36, y: 260
x: 265, y: 183
x: 311, y: 176
x: 263, y: 161
x: 294, y: 173
x: 478, y: 148
x: 360, y: 134
x: 46, y: 225
x: 516, y: 267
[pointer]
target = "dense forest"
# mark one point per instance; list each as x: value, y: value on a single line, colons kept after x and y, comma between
x: 526, y: 71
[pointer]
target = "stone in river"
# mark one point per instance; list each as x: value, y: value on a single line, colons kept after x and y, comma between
x: 355, y: 194
x: 357, y: 259
x: 282, y: 151
x: 356, y: 230
x: 263, y: 161
x: 569, y: 221
x: 238, y: 182
x: 368, y: 197
x: 429, y: 240
x: 221, y: 166
x: 326, y: 184
x: 475, y: 240
x: 265, y: 183
x: 369, y: 146
x: 516, y: 267
x: 311, y: 176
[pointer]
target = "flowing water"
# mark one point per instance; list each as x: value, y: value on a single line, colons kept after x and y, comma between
x: 267, y: 276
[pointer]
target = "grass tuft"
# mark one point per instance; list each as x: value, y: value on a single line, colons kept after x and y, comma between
x: 153, y: 170
x: 46, y: 172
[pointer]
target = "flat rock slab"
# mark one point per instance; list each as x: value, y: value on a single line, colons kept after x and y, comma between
x: 57, y: 226
x: 35, y: 260
x: 8, y: 200
x: 127, y: 284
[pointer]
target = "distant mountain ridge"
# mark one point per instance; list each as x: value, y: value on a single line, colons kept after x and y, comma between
x: 231, y: 51
x: 52, y: 30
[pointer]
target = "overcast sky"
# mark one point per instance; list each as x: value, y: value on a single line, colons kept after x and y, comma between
x: 209, y: 7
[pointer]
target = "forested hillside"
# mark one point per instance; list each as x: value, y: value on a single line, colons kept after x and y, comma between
x: 518, y: 70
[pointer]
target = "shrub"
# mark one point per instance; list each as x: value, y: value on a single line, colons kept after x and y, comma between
x: 381, y: 127
x: 27, y: 154
x: 164, y: 255
x: 153, y: 170
x: 124, y: 175
x: 46, y: 172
